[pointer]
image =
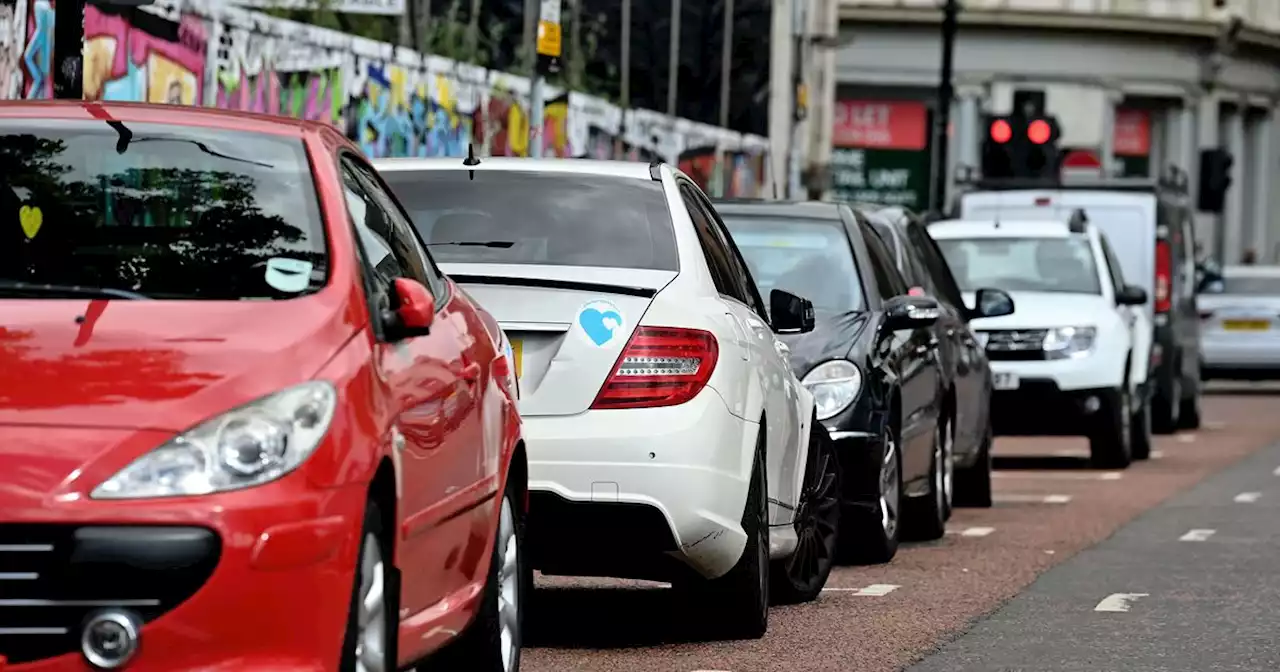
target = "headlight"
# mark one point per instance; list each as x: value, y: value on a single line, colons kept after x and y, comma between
x: 251, y: 445
x: 1068, y: 342
x: 835, y: 385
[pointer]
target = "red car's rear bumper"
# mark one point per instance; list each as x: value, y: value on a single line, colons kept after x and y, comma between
x: 254, y: 580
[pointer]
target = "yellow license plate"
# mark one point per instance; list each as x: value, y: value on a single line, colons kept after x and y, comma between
x: 516, y: 353
x: 1246, y: 325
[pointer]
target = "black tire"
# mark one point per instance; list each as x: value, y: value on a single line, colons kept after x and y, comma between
x: 737, y: 604
x: 479, y: 648
x: 1190, y: 418
x: 926, y: 516
x: 1109, y: 442
x: 973, y: 483
x: 801, y: 576
x: 1140, y: 431
x: 373, y: 539
x: 865, y: 538
x: 1166, y: 410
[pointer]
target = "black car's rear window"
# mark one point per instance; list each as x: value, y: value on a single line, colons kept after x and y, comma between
x: 806, y: 256
x: 560, y: 219
x: 161, y: 210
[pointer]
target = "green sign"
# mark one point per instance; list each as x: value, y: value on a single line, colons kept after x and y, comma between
x: 882, y: 176
x: 1134, y: 166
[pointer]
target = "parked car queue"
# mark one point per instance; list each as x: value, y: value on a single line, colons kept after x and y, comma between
x: 245, y: 372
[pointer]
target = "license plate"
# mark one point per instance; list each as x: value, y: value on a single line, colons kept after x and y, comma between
x: 1246, y: 325
x: 1005, y: 381
x: 516, y: 354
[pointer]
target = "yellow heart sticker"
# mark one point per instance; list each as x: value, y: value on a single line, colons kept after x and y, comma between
x: 31, y: 219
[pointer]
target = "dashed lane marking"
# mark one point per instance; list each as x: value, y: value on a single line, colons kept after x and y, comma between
x: 1215, y: 424
x: 1118, y: 602
x: 1196, y: 535
x: 977, y: 531
x: 1276, y: 472
x: 873, y: 590
x: 1186, y: 438
x: 1247, y: 497
x: 1157, y: 454
x: 1031, y: 499
x: 1059, y: 475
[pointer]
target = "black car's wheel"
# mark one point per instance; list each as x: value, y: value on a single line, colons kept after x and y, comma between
x: 973, y: 483
x: 372, y: 619
x: 1140, y: 430
x: 869, y: 534
x: 737, y: 604
x: 1190, y: 418
x: 1109, y: 442
x: 493, y: 641
x: 801, y: 576
x: 926, y: 516
x: 1167, y: 410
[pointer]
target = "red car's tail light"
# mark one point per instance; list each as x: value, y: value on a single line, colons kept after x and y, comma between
x: 1164, y: 271
x: 661, y: 366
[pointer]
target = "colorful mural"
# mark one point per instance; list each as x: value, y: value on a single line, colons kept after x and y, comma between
x: 389, y: 100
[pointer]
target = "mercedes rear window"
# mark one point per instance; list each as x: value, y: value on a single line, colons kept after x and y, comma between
x: 159, y: 211
x: 560, y: 219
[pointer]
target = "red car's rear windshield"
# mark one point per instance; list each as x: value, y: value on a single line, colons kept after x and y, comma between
x: 158, y: 210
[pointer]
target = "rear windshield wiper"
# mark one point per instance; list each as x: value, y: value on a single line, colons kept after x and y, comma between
x: 19, y: 288
x: 476, y: 243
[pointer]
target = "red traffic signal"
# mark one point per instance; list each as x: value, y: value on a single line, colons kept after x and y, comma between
x: 1039, y: 132
x: 1001, y: 131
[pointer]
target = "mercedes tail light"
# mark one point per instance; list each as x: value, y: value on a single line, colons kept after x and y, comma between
x: 661, y: 366
x: 1164, y: 277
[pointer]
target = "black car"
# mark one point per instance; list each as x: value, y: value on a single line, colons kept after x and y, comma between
x: 869, y: 363
x: 966, y: 371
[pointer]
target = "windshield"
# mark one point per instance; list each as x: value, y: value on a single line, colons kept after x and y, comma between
x: 1023, y: 264
x: 807, y: 257
x: 157, y: 210
x: 1244, y: 285
x: 561, y: 219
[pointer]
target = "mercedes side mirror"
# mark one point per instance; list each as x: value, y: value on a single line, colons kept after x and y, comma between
x: 910, y: 312
x: 790, y: 314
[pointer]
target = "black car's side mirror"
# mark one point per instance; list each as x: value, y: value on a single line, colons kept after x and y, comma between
x: 789, y: 313
x: 910, y: 312
x: 1131, y: 295
x: 990, y: 302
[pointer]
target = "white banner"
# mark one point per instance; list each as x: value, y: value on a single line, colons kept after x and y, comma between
x: 387, y: 7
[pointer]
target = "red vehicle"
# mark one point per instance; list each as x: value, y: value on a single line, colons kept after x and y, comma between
x: 245, y: 423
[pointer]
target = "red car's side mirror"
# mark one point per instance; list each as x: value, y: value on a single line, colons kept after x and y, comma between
x: 417, y: 308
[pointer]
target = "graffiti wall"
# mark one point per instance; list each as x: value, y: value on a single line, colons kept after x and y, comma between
x: 389, y: 100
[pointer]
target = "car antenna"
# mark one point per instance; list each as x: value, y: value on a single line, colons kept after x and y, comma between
x: 471, y: 160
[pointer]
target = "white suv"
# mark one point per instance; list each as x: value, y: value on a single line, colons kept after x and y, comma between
x: 1073, y: 360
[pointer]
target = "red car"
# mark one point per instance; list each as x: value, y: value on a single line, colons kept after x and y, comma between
x: 245, y: 422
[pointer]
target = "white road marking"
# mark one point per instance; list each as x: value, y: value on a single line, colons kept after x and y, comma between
x: 873, y: 590
x: 1071, y: 452
x: 1157, y: 454
x: 1059, y: 475
x: 1118, y: 602
x: 1276, y: 472
x: 1197, y: 535
x: 1247, y: 497
x: 1186, y: 438
x: 977, y: 531
x: 1214, y: 424
x: 1032, y: 499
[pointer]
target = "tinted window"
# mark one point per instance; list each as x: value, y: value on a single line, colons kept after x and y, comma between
x: 167, y: 211
x: 549, y: 219
x: 805, y: 256
x: 888, y: 278
x: 940, y: 276
x: 414, y: 260
x: 1257, y: 286
x: 712, y: 250
x: 1113, y: 266
x: 1023, y: 264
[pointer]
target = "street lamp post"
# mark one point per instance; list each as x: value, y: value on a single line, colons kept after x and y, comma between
x: 942, y: 115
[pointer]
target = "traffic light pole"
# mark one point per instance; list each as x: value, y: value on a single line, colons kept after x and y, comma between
x: 942, y: 115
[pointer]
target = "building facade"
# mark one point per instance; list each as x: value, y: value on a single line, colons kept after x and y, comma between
x: 1137, y: 84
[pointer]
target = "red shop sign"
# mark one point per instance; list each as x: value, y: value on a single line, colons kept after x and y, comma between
x: 881, y: 124
x: 1132, y: 135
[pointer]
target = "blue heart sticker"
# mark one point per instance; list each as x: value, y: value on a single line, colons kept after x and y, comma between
x: 600, y: 325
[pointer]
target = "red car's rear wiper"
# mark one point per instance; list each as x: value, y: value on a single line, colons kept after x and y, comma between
x: 17, y: 288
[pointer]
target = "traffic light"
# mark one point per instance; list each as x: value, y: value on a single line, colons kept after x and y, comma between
x: 1215, y: 179
x: 1019, y: 146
